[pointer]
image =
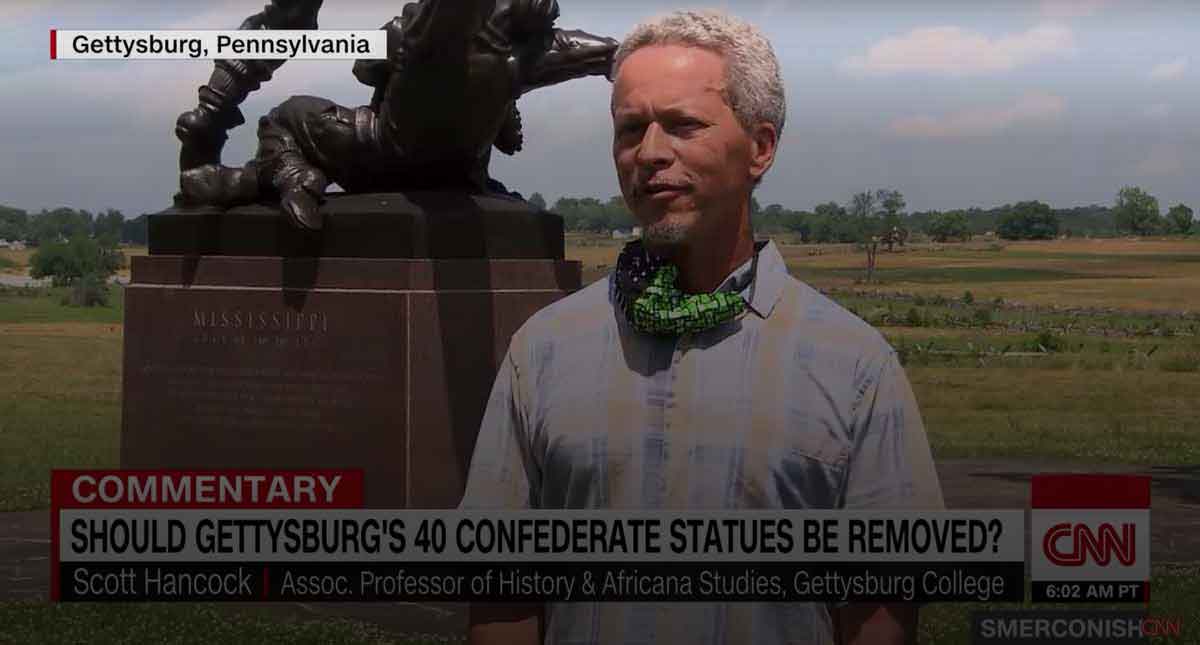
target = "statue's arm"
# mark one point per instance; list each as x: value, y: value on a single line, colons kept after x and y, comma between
x: 573, y: 54
x: 375, y: 72
x: 439, y: 27
x: 277, y: 14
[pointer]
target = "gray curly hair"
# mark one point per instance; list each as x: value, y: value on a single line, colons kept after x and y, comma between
x: 754, y: 85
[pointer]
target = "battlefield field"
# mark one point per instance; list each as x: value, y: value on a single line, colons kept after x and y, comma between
x: 1076, y: 351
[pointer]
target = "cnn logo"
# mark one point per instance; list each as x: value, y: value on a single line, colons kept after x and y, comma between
x: 1071, y: 544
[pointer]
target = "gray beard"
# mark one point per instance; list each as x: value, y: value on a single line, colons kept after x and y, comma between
x: 663, y: 237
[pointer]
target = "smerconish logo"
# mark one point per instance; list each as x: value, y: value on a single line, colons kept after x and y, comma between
x: 1090, y: 538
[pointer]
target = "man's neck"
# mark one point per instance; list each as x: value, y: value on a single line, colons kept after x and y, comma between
x: 705, y: 263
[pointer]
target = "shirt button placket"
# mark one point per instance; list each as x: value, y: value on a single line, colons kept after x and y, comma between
x: 681, y: 346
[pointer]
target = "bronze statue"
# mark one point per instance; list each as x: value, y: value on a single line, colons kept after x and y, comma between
x: 444, y: 97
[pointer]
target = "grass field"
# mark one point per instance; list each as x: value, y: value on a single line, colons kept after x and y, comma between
x: 998, y: 373
x: 60, y: 381
x: 14, y: 261
x: 1079, y: 349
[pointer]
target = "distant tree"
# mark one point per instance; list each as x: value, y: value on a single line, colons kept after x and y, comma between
x: 90, y: 290
x: 537, y: 201
x: 863, y: 206
x: 950, y: 225
x: 1179, y: 218
x: 60, y: 224
x: 1136, y: 211
x: 68, y: 262
x: 107, y: 227
x: 14, y: 224
x: 832, y: 210
x: 84, y: 218
x: 766, y: 220
x: 891, y: 204
x: 1093, y: 220
x: 777, y: 219
x: 1031, y: 220
x: 591, y: 215
x: 134, y: 231
x: 801, y: 222
x: 831, y: 223
x: 577, y: 212
x: 617, y: 214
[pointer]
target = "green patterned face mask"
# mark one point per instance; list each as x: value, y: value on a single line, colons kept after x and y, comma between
x: 653, y: 304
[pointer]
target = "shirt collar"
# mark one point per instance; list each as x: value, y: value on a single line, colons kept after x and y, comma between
x: 759, y: 285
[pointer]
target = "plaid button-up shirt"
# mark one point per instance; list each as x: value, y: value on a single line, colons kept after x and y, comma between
x: 798, y: 404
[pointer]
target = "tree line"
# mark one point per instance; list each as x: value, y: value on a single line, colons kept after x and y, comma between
x: 62, y: 224
x: 75, y: 248
x: 867, y: 213
x: 877, y: 212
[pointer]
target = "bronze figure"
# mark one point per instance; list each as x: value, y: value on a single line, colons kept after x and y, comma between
x: 444, y: 97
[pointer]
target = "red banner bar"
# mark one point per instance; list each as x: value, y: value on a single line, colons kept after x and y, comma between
x: 1084, y: 491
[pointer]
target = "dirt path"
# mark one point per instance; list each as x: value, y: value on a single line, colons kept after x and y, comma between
x: 997, y: 483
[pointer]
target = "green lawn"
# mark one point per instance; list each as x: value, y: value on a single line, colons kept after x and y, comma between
x: 1109, y: 391
x: 1136, y: 417
x: 1115, y: 386
x: 59, y: 407
x: 943, y: 275
x: 44, y: 305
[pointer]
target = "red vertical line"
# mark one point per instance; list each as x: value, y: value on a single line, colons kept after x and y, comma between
x: 266, y: 582
x: 53, y: 44
x: 55, y: 565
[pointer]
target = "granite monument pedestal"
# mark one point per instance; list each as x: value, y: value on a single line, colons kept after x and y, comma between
x: 371, y: 345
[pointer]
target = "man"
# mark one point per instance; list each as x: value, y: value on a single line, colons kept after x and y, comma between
x: 699, y: 375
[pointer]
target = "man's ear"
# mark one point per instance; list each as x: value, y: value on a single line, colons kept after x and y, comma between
x: 764, y: 141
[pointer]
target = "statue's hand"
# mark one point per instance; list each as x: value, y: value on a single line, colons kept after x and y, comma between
x: 568, y: 39
x: 563, y: 41
x: 573, y: 54
x: 196, y: 122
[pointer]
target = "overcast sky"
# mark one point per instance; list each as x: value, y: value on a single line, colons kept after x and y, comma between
x: 955, y: 104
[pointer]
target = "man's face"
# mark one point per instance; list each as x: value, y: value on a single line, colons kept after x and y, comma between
x: 683, y: 160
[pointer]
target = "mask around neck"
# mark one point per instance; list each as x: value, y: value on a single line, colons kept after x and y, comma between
x: 648, y: 294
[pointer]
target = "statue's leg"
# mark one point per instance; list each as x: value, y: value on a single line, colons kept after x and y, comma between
x: 218, y: 185
x: 304, y: 144
x: 282, y: 164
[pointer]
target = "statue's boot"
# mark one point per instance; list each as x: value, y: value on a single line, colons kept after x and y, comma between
x: 303, y: 207
x: 216, y: 185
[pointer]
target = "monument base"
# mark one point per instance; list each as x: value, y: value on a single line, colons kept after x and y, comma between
x: 379, y: 364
